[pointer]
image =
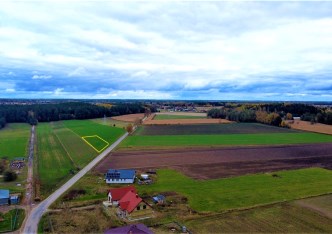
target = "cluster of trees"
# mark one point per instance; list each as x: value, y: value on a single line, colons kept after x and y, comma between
x: 62, y: 111
x: 321, y: 117
x: 8, y: 175
x: 272, y: 113
x: 247, y: 115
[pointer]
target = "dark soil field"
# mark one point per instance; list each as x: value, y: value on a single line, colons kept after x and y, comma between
x: 206, y: 163
x: 234, y: 128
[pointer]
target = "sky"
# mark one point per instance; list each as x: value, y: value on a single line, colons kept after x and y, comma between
x: 203, y: 50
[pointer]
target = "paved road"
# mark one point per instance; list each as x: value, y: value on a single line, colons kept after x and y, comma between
x: 31, y: 224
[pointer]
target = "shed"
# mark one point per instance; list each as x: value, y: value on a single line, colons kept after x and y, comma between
x: 4, y: 197
x: 160, y: 199
x: 14, y: 199
x: 144, y: 176
x: 131, y: 229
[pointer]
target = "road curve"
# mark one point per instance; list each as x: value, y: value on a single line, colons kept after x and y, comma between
x: 31, y: 224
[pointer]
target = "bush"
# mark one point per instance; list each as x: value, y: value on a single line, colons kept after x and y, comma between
x: 9, y: 176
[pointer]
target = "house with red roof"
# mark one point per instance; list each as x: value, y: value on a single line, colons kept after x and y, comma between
x: 128, y: 202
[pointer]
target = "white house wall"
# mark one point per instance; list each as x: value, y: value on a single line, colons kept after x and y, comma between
x: 119, y: 181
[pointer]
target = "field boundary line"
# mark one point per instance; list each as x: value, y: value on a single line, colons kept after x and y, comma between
x: 63, y: 146
x: 107, y: 144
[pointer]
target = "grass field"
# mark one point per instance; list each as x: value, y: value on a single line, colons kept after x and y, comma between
x: 96, y: 142
x: 61, y: 149
x: 110, y: 122
x: 279, y: 218
x: 164, y: 116
x: 13, y: 220
x: 210, y: 129
x: 224, y: 140
x: 244, y: 191
x: 14, y: 140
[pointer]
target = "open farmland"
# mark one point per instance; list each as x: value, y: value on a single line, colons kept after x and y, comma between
x: 223, y: 140
x: 14, y: 139
x: 197, y: 129
x: 110, y: 122
x: 166, y: 116
x: 61, y: 149
x: 243, y: 191
x: 207, y: 163
x: 307, y: 126
x: 279, y: 218
x: 129, y: 118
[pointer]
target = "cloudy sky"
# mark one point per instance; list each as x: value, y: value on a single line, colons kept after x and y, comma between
x: 166, y: 50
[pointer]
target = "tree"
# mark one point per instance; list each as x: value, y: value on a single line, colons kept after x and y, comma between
x: 9, y: 176
x: 289, y: 116
x: 129, y: 128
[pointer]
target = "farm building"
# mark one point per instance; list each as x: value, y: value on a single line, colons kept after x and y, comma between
x: 114, y: 195
x: 130, y: 229
x: 4, y: 197
x: 132, y: 205
x: 14, y: 199
x: 120, y: 176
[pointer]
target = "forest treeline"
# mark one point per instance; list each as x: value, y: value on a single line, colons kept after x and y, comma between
x: 272, y: 114
x: 62, y: 111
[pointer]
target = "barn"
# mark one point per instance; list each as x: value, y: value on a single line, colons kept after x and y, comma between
x: 122, y: 176
x: 4, y: 197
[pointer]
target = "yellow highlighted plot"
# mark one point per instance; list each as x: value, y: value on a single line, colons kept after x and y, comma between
x: 95, y: 139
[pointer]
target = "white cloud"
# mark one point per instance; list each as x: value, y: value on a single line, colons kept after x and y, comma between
x: 41, y: 77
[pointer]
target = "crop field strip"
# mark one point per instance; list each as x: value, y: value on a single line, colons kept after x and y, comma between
x: 211, y: 129
x: 224, y: 140
x: 165, y: 116
x: 14, y: 140
x: 243, y: 191
x: 96, y: 142
x: 210, y: 163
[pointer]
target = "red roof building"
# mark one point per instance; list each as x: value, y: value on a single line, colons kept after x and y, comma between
x: 115, y: 194
x: 129, y: 201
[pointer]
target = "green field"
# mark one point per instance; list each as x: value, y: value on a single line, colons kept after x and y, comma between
x: 244, y: 191
x: 211, y: 129
x: 61, y: 149
x: 110, y: 122
x: 224, y: 140
x: 164, y: 116
x: 12, y: 220
x: 279, y: 218
x: 14, y: 140
x: 89, y: 128
x: 96, y: 142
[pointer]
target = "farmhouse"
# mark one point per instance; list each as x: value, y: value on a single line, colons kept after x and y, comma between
x: 128, y: 203
x: 115, y: 194
x: 120, y: 176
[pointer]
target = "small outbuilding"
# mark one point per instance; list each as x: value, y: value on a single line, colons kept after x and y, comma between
x: 159, y: 199
x: 14, y: 199
x: 122, y: 176
x: 4, y: 197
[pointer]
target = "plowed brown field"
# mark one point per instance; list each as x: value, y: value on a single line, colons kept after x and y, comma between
x: 185, y: 121
x: 307, y: 126
x: 129, y: 118
x: 224, y: 162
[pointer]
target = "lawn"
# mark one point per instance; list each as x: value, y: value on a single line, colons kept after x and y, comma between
x: 163, y: 117
x: 224, y: 140
x: 14, y: 140
x: 211, y: 129
x: 244, y: 191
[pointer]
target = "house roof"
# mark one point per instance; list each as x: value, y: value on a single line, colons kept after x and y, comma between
x: 118, y: 193
x: 4, y: 193
x: 120, y: 174
x: 134, y: 229
x: 129, y: 201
